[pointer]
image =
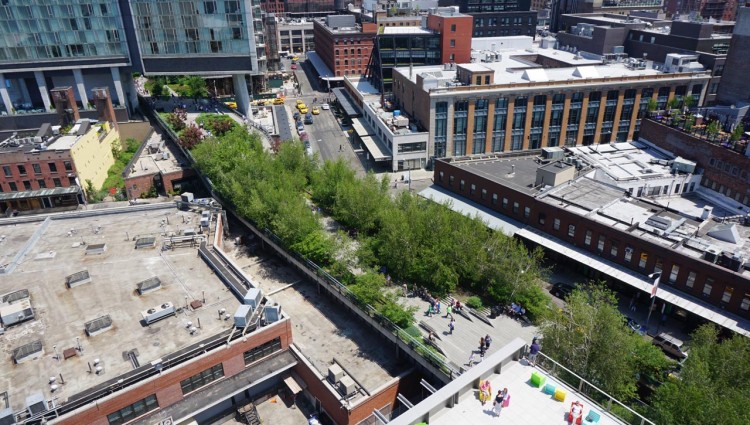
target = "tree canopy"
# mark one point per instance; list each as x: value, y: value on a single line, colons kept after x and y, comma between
x: 713, y: 386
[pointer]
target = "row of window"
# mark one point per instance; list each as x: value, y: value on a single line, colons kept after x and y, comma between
x: 37, y: 168
x: 204, y: 378
x: 600, y: 244
x: 261, y: 351
x: 128, y: 413
x: 737, y: 195
x: 40, y: 184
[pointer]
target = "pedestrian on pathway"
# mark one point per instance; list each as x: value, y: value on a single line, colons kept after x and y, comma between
x: 533, y: 351
x: 487, y: 342
x: 451, y: 326
x: 481, y: 343
x: 438, y: 307
x: 471, y: 360
x: 500, y: 401
x: 448, y: 312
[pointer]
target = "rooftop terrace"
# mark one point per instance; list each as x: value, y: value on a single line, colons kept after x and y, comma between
x: 103, y: 267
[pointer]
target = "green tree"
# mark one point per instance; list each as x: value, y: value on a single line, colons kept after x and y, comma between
x: 712, y: 130
x: 674, y: 103
x: 316, y: 246
x: 738, y: 132
x: 688, y: 101
x: 713, y: 385
x: 589, y: 337
x: 358, y: 202
x: 368, y: 287
x: 157, y: 88
x: 176, y: 120
x: 190, y: 136
x: 652, y: 105
x: 196, y: 87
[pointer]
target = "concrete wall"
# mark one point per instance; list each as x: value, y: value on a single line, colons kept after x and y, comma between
x: 138, y: 130
x: 32, y: 122
x: 734, y: 87
x: 92, y: 154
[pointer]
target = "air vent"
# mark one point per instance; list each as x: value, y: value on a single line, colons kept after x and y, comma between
x: 78, y: 279
x: 149, y: 285
x: 347, y: 386
x: 16, y: 313
x: 145, y: 242
x: 32, y: 350
x: 335, y: 373
x: 99, y: 325
x: 36, y: 404
x: 159, y: 312
x: 96, y: 249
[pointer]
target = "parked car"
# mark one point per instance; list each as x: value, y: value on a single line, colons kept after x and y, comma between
x: 671, y: 345
x: 325, y: 107
x: 562, y: 290
x: 296, y: 116
x: 308, y: 118
x: 635, y: 326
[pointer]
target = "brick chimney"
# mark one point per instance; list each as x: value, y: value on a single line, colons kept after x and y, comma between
x: 105, y: 110
x: 65, y: 105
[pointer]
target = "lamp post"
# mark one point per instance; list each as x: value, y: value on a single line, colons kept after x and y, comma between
x: 656, y: 277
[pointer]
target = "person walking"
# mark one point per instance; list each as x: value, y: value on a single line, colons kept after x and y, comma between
x: 451, y: 326
x: 499, y: 401
x: 448, y: 312
x: 487, y: 342
x: 481, y: 343
x: 533, y: 351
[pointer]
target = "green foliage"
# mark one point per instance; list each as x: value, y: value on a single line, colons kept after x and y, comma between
x: 688, y: 101
x: 189, y: 86
x: 652, y: 105
x: 176, y: 120
x: 217, y: 124
x: 714, y: 384
x: 114, y: 178
x: 474, y: 302
x: 589, y: 336
x: 738, y: 132
x: 317, y: 247
x: 674, y: 103
x: 413, y: 331
x: 368, y: 287
x: 402, y: 317
x: 155, y: 86
x: 712, y: 129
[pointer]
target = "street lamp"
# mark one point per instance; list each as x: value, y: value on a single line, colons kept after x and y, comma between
x: 656, y: 277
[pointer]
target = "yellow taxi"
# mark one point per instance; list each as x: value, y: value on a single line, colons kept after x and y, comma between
x: 315, y: 110
x: 300, y: 101
x: 301, y: 105
x: 295, y: 58
x: 278, y: 101
x: 303, y: 110
x: 231, y: 105
x: 268, y: 102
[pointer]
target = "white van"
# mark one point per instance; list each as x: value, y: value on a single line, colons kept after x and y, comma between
x: 671, y: 345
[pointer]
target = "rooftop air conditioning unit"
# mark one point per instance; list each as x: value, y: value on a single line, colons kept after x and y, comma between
x: 335, y: 373
x: 159, y: 312
x: 347, y: 386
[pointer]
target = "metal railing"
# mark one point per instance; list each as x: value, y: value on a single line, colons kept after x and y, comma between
x: 593, y: 393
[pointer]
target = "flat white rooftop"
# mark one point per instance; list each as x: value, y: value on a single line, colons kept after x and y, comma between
x: 406, y: 30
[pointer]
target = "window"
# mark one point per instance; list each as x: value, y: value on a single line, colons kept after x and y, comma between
x: 643, y: 260
x: 542, y: 218
x: 26, y: 185
x: 613, y: 249
x: 556, y: 224
x: 673, y: 274
x: 453, y: 43
x: 6, y: 170
x: 453, y: 27
x: 484, y: 193
x: 204, y: 378
x: 37, y: 168
x: 68, y: 166
x: 472, y: 188
x: 451, y: 179
x: 261, y: 351
x: 658, y: 266
x: 690, y: 280
x: 56, y: 182
x: 707, y: 287
x: 727, y: 296
x: 41, y: 183
x: 462, y: 185
x: 587, y: 239
x: 128, y: 413
x: 526, y: 211
x: 440, y: 176
x: 22, y: 170
x: 494, y: 199
x: 13, y: 187
x: 745, y: 302
x: 52, y: 167
x: 600, y: 244
x: 505, y: 203
x: 571, y: 230
x: 628, y: 253
x: 515, y: 207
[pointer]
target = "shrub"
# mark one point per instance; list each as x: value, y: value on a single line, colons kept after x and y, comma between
x: 474, y: 302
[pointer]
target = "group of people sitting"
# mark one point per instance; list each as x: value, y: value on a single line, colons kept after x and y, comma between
x: 516, y: 311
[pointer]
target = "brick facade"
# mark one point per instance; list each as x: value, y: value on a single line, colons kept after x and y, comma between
x: 455, y: 36
x: 167, y: 385
x: 724, y: 170
x: 344, y: 52
x: 705, y: 272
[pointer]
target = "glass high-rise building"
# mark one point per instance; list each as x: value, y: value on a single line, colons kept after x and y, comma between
x: 99, y: 43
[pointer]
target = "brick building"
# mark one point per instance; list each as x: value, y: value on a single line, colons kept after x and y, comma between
x: 734, y: 87
x: 510, y: 100
x: 343, y: 45
x: 498, y: 18
x: 620, y: 212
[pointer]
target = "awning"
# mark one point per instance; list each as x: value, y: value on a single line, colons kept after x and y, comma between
x: 361, y: 127
x: 40, y: 193
x: 374, y: 149
x: 321, y: 68
x: 665, y: 292
x: 294, y: 385
x: 346, y: 102
x: 461, y: 205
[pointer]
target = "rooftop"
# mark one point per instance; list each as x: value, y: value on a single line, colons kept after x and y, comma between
x: 323, y: 331
x: 535, y: 65
x: 639, y: 189
x: 156, y: 157
x: 77, y: 272
x: 47, y: 139
x: 406, y: 30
